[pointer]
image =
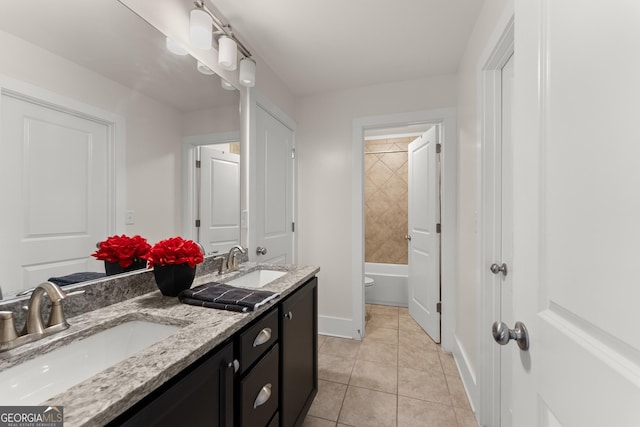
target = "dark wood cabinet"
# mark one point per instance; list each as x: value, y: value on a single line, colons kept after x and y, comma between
x: 200, y: 396
x: 274, y: 385
x: 299, y: 354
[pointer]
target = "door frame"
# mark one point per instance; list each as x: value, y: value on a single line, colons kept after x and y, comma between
x: 190, y: 146
x: 446, y: 118
x: 491, y: 104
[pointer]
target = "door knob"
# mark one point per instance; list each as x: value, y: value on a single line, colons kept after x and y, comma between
x: 495, y: 269
x: 407, y: 237
x: 502, y: 334
x: 261, y: 251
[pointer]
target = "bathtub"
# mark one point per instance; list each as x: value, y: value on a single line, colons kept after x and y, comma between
x: 391, y: 284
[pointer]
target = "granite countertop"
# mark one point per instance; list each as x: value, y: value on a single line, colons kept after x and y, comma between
x: 103, y: 397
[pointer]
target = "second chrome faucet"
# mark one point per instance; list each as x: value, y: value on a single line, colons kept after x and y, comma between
x: 230, y: 262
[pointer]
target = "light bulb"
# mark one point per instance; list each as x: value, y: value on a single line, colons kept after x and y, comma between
x: 200, y: 29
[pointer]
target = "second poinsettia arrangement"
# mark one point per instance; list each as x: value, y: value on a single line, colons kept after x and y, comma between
x: 175, y: 250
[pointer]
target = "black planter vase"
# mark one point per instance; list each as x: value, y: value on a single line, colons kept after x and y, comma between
x: 173, y: 278
x: 112, y: 268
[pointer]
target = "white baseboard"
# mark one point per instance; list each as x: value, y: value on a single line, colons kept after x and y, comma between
x: 467, y: 375
x: 336, y: 327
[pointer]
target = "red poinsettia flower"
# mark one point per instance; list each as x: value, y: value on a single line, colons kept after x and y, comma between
x: 175, y: 250
x: 123, y: 250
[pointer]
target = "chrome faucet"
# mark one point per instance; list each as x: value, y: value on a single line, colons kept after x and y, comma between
x: 230, y: 263
x: 35, y: 324
x: 34, y: 328
x: 232, y: 259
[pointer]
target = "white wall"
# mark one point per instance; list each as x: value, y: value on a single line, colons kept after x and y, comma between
x: 467, y: 345
x: 212, y: 120
x: 153, y: 133
x: 324, y: 151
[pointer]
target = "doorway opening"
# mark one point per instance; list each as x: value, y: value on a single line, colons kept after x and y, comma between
x: 444, y: 121
x: 386, y: 194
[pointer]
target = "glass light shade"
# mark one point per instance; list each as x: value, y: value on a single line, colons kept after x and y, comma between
x: 247, y: 72
x: 227, y: 53
x: 175, y: 48
x: 200, y: 29
x: 204, y: 69
x: 226, y: 85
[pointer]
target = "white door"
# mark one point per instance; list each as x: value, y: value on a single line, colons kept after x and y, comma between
x: 274, y: 171
x: 54, y: 194
x: 576, y: 175
x: 424, y: 240
x: 219, y: 200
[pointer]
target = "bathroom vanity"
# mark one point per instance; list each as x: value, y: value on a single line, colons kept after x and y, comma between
x: 220, y: 368
x: 263, y: 375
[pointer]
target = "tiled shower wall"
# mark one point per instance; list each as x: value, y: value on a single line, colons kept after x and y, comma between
x: 386, y: 200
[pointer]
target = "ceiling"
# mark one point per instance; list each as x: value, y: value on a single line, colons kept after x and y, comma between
x: 325, y: 45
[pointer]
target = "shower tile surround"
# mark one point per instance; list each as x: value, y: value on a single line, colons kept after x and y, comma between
x: 104, y: 396
x: 386, y: 200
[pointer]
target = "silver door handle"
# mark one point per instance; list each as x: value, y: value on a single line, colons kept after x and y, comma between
x: 407, y: 237
x: 263, y: 337
x: 502, y: 334
x: 495, y: 269
x: 263, y: 396
x: 288, y: 315
x: 261, y: 251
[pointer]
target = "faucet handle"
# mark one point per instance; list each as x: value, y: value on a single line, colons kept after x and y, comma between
x: 56, y: 316
x: 7, y: 328
x: 224, y: 268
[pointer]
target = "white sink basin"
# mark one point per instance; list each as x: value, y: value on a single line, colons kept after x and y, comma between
x: 43, y: 377
x: 256, y: 278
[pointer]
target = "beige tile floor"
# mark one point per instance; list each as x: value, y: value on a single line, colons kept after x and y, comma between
x: 397, y: 377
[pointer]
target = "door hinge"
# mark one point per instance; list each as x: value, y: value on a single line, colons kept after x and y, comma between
x: 293, y: 227
x: 438, y: 228
x: 438, y: 148
x: 198, y: 164
x: 197, y: 223
x: 439, y: 307
x: 293, y: 153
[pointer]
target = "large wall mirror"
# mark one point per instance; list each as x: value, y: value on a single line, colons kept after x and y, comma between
x: 100, y: 128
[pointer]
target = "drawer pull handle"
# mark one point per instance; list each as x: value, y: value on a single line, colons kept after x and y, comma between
x: 263, y: 337
x: 263, y: 396
x: 235, y: 365
x: 288, y: 315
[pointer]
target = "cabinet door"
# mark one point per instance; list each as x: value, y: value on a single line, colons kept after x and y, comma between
x: 299, y: 349
x: 201, y: 397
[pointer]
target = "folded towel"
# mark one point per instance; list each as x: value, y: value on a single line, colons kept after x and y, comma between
x: 70, y: 279
x: 225, y: 297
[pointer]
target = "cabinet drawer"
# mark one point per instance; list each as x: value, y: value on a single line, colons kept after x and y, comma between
x: 257, y: 339
x: 259, y: 391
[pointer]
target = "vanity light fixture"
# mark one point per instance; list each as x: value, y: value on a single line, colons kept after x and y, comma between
x: 228, y: 44
x: 226, y: 85
x: 227, y: 53
x: 200, y: 26
x: 248, y: 72
x: 175, y: 48
x: 204, y: 69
